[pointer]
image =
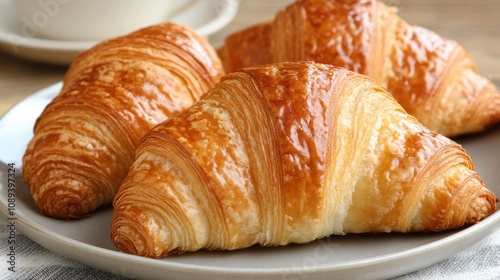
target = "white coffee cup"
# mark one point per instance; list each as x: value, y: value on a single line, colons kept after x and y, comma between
x: 91, y: 20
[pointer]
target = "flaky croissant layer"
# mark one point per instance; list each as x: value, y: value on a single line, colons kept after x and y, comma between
x: 288, y: 153
x: 84, y: 141
x: 432, y: 77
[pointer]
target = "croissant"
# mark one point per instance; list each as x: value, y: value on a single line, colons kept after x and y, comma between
x: 84, y: 141
x: 433, y: 78
x: 289, y: 153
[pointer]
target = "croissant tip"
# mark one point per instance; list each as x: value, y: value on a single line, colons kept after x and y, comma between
x: 132, y: 243
x: 481, y: 207
x: 65, y: 212
x: 131, y: 237
x: 65, y: 203
x: 125, y: 241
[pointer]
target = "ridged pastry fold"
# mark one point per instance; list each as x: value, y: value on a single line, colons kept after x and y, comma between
x: 112, y: 95
x: 289, y: 153
x: 432, y: 77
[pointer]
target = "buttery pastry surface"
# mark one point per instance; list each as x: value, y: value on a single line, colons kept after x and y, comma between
x: 112, y: 94
x: 289, y: 153
x: 432, y: 77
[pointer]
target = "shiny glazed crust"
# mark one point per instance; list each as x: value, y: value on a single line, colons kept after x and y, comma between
x: 288, y: 153
x: 84, y: 141
x: 433, y: 78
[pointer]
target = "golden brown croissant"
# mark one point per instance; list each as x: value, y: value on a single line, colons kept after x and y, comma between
x: 84, y: 141
x: 433, y: 78
x: 286, y: 153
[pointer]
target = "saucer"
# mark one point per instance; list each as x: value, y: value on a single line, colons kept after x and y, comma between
x: 206, y: 17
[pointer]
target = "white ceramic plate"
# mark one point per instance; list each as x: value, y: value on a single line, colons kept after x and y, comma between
x: 353, y: 256
x: 206, y: 17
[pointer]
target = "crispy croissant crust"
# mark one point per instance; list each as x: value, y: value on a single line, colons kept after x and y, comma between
x: 84, y: 141
x: 287, y: 153
x: 433, y: 78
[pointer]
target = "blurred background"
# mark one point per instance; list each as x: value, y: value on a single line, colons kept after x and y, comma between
x: 473, y: 24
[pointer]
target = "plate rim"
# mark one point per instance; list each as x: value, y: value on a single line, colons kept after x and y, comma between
x: 51, y: 240
x: 457, y: 241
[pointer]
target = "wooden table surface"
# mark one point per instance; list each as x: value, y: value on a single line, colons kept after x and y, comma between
x: 474, y: 24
